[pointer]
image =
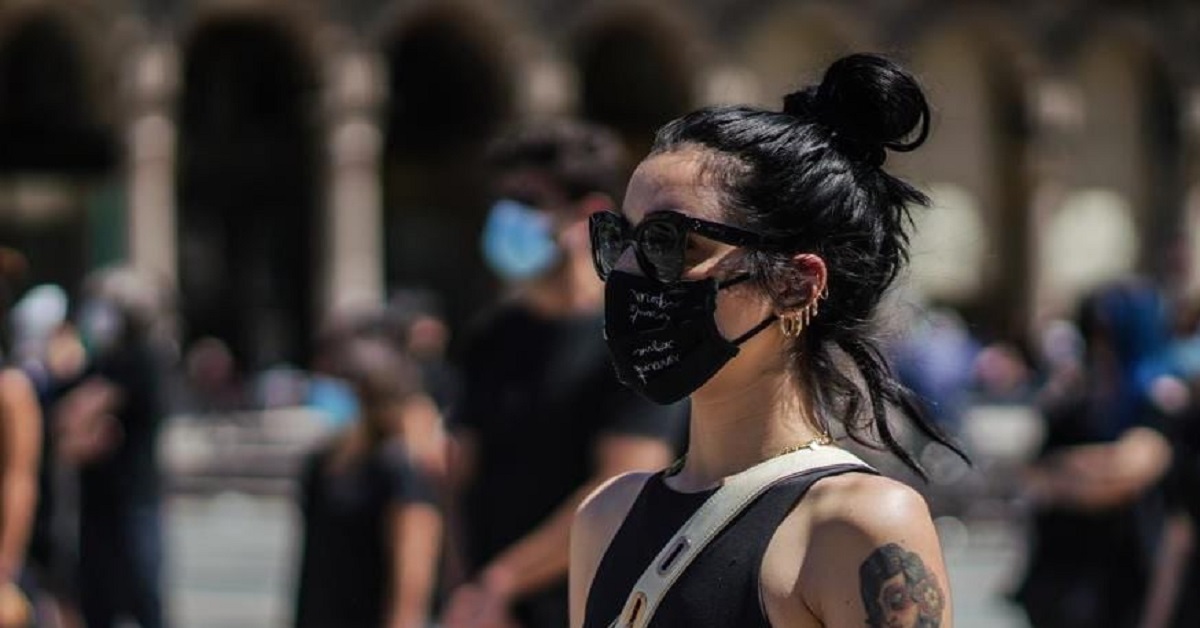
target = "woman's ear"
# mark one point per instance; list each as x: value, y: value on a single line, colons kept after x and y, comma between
x: 803, y: 280
x: 812, y: 269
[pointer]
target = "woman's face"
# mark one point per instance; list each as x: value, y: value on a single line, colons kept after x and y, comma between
x: 676, y: 181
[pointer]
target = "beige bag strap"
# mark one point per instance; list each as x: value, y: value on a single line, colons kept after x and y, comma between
x: 738, y: 492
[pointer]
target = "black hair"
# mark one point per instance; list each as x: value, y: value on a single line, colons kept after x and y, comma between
x: 812, y: 175
x: 381, y: 375
x: 581, y: 157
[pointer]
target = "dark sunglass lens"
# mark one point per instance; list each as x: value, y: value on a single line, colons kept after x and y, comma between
x: 661, y: 247
x: 608, y: 242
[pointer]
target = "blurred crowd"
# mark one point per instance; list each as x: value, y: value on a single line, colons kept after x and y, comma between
x: 445, y: 489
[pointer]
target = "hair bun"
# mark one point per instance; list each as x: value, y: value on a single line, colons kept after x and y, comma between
x: 870, y: 101
x: 802, y: 103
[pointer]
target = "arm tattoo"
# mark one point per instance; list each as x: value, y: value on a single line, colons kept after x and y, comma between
x: 898, y: 591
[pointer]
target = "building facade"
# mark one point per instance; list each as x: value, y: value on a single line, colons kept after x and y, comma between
x: 275, y: 160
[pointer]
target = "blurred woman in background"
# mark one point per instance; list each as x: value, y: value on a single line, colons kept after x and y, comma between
x: 372, y: 525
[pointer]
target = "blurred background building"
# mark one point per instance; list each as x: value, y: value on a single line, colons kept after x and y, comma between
x: 277, y: 159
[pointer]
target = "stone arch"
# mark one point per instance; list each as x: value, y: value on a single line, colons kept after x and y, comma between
x: 791, y: 44
x: 452, y: 80
x: 638, y: 64
x: 451, y: 77
x: 58, y: 146
x: 976, y: 74
x: 249, y: 171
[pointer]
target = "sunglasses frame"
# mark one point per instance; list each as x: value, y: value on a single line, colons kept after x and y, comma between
x: 631, y: 235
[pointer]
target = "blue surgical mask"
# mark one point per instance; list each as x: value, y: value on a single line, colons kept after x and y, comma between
x: 518, y: 241
x: 101, y: 326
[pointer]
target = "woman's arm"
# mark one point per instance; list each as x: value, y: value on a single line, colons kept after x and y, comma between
x: 22, y: 440
x: 416, y: 539
x: 860, y: 550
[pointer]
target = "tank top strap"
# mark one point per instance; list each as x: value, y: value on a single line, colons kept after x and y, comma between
x: 720, y: 588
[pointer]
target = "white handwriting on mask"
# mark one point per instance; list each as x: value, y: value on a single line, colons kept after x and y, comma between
x: 665, y: 349
x: 650, y: 305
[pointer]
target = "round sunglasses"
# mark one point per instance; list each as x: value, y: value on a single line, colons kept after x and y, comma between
x: 660, y: 241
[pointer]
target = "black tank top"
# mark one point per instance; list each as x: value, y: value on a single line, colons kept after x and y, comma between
x: 720, y: 589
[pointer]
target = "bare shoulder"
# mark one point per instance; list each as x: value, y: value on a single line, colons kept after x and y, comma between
x: 870, y: 555
x: 607, y: 506
x: 596, y: 523
x: 872, y: 504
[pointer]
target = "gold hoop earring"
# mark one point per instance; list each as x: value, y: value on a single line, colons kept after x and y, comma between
x: 791, y: 325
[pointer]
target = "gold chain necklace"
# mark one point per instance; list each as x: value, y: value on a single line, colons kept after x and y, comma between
x: 821, y: 440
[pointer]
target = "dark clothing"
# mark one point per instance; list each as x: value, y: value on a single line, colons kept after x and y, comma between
x: 120, y: 526
x: 441, y: 379
x: 1183, y: 496
x: 129, y: 476
x: 120, y: 567
x: 345, y: 571
x: 1089, y: 568
x: 538, y: 395
x: 42, y: 552
x: 721, y: 587
x: 40, y: 540
x: 53, y: 554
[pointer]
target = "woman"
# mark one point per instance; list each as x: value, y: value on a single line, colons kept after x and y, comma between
x: 752, y: 251
x: 372, y: 528
x: 20, y: 456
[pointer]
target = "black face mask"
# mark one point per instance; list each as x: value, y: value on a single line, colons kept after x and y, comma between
x: 663, y: 337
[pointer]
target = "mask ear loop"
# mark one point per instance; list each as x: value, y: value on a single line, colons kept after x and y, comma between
x: 767, y: 322
x: 729, y: 283
x: 757, y: 328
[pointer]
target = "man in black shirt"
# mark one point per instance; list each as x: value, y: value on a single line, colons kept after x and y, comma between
x: 108, y: 426
x: 543, y: 420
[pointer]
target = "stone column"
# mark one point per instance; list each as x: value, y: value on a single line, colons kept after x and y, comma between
x: 150, y: 150
x: 1058, y: 116
x: 353, y: 269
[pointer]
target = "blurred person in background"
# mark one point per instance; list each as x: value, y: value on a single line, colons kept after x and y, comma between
x: 20, y: 448
x: 542, y: 420
x: 934, y: 360
x: 326, y: 391
x: 107, y: 427
x: 49, y: 351
x: 212, y: 377
x: 423, y: 433
x: 1094, y: 487
x: 1172, y: 600
x: 417, y: 319
x: 372, y: 524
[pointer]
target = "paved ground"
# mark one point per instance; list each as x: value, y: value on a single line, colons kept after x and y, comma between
x: 231, y: 561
